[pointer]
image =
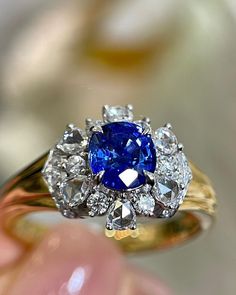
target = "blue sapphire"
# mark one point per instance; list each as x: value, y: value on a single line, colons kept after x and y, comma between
x: 123, y: 152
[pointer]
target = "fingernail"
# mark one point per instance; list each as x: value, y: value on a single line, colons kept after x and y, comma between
x: 71, y: 261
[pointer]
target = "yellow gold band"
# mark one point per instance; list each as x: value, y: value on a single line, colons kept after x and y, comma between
x: 27, y: 193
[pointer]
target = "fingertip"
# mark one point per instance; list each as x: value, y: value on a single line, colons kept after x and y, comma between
x: 71, y: 260
x: 144, y: 283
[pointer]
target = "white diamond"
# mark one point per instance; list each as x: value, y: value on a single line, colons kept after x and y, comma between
x: 167, y: 191
x: 55, y: 159
x: 175, y: 168
x: 72, y: 141
x: 146, y: 188
x: 184, y: 173
x: 117, y: 113
x: 121, y: 216
x: 71, y: 191
x: 76, y: 165
x: 53, y: 171
x: 145, y: 204
x: 146, y: 127
x: 98, y: 203
x: 54, y: 176
x: 165, y: 140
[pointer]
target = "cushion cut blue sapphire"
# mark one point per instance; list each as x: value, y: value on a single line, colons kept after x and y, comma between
x: 124, y: 153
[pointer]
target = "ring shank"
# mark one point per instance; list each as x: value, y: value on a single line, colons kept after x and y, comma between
x: 27, y: 193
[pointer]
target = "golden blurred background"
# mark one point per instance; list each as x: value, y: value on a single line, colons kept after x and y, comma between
x: 175, y: 61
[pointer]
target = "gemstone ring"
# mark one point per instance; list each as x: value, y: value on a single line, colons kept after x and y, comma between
x: 122, y: 169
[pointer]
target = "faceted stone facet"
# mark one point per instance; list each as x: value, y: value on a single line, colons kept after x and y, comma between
x: 175, y: 167
x: 165, y: 140
x: 167, y: 190
x: 76, y: 165
x: 53, y: 171
x: 123, y: 152
x: 117, y: 114
x: 145, y: 204
x: 72, y: 141
x: 54, y: 176
x: 71, y: 191
x: 121, y: 216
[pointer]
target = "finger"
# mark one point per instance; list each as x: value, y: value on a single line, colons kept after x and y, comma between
x: 146, y: 284
x: 70, y: 261
x: 9, y: 250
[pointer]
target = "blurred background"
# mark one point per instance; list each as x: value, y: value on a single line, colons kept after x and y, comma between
x: 175, y: 61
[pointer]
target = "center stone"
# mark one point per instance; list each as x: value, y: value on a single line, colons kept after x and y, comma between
x: 123, y: 153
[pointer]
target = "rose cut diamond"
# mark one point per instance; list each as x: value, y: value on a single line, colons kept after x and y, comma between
x: 121, y: 216
x: 71, y: 191
x: 117, y: 113
x: 165, y: 140
x: 167, y: 190
x: 53, y: 171
x: 73, y: 140
x: 175, y: 167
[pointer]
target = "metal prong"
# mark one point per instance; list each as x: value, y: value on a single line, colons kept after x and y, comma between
x: 146, y: 120
x: 150, y: 177
x: 130, y: 107
x: 180, y: 147
x: 104, y: 109
x: 88, y: 121
x: 109, y: 227
x: 182, y: 187
x: 96, y: 129
x: 91, y: 214
x: 64, y: 165
x: 168, y: 125
x: 70, y: 126
x: 133, y: 227
x: 98, y: 177
x: 146, y: 128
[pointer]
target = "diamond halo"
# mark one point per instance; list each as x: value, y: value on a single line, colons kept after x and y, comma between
x: 118, y: 167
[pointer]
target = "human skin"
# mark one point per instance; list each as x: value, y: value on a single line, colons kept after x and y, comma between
x: 71, y: 260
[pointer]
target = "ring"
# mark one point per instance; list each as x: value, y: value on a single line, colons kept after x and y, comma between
x: 118, y: 175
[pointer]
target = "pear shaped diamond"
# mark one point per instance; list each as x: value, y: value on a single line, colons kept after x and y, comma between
x: 121, y: 216
x: 74, y: 192
x: 73, y: 140
x: 167, y: 191
x: 166, y: 141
